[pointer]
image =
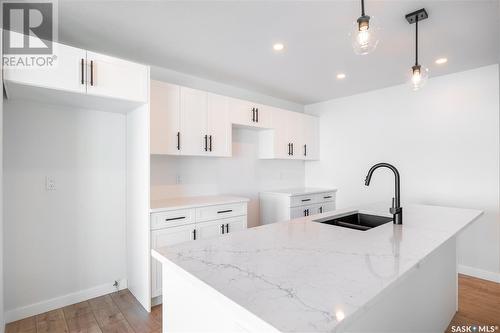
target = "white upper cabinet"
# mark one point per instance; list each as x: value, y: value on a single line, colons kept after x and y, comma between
x: 117, y: 78
x: 193, y: 132
x: 68, y: 74
x: 246, y: 113
x: 219, y: 126
x: 311, y: 138
x: 77, y: 74
x: 294, y: 136
x: 165, y: 118
x: 187, y: 121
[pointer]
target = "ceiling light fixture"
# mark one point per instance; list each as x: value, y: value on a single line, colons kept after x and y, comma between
x: 278, y: 47
x: 341, y: 76
x: 419, y: 74
x: 364, y: 35
x: 441, y: 61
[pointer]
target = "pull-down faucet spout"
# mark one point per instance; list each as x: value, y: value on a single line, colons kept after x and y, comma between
x: 396, y: 209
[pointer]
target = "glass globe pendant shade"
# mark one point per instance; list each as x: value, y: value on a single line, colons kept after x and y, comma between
x: 364, y: 35
x: 418, y: 77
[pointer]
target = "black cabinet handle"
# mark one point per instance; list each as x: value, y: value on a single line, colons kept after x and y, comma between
x: 305, y: 150
x: 175, y: 218
x: 321, y: 209
x: 327, y: 197
x: 305, y: 212
x: 257, y: 115
x: 194, y: 234
x: 292, y: 148
x: 227, y: 228
x: 206, y: 142
x: 91, y: 72
x: 178, y: 140
x: 304, y: 200
x: 289, y: 149
x: 83, y: 71
x: 253, y: 115
x: 210, y: 145
x: 224, y: 211
x: 222, y: 228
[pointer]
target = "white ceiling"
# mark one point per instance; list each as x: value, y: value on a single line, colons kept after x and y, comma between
x: 231, y: 41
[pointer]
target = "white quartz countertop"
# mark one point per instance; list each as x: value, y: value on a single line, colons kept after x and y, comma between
x: 301, y: 191
x: 192, y: 202
x: 304, y: 276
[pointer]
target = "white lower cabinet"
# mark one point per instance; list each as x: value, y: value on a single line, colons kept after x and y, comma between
x: 166, y: 237
x: 174, y: 226
x: 290, y: 204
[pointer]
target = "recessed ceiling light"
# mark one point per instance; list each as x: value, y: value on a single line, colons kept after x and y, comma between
x: 340, y: 76
x: 441, y: 61
x: 278, y: 47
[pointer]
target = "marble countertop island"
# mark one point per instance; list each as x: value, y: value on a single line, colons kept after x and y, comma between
x: 305, y: 276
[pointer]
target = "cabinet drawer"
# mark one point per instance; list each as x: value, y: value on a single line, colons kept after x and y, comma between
x: 303, y: 200
x: 172, y: 218
x: 220, y: 211
x: 325, y: 197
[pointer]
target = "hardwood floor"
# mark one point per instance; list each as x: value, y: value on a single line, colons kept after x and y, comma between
x: 479, y: 304
x: 118, y: 312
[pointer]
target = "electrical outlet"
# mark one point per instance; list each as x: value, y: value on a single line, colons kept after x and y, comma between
x: 178, y: 179
x: 50, y: 183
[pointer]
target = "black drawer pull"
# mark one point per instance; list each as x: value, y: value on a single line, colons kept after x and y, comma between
x: 194, y: 234
x: 227, y: 228
x: 222, y: 228
x: 175, y: 218
x: 327, y: 197
x: 224, y: 211
x: 304, y: 200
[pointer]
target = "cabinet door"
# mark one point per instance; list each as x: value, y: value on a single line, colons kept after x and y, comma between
x: 281, y: 135
x: 219, y: 126
x: 235, y: 224
x: 311, y: 138
x: 249, y: 114
x: 295, y: 134
x: 165, y: 117
x: 67, y: 73
x: 193, y: 122
x: 166, y: 237
x: 117, y: 78
x: 209, y: 229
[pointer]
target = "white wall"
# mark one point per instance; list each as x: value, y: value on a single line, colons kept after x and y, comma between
x: 243, y: 174
x: 443, y: 139
x: 71, y: 239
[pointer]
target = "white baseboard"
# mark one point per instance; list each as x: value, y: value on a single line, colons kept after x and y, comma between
x: 479, y: 273
x: 65, y: 300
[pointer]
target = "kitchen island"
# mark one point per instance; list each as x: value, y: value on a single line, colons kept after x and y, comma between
x: 305, y: 276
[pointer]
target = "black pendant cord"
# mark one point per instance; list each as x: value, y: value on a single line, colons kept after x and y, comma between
x: 416, y: 42
x: 362, y: 7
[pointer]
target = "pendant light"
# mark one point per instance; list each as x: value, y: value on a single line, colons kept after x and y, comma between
x: 364, y: 35
x: 418, y: 74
